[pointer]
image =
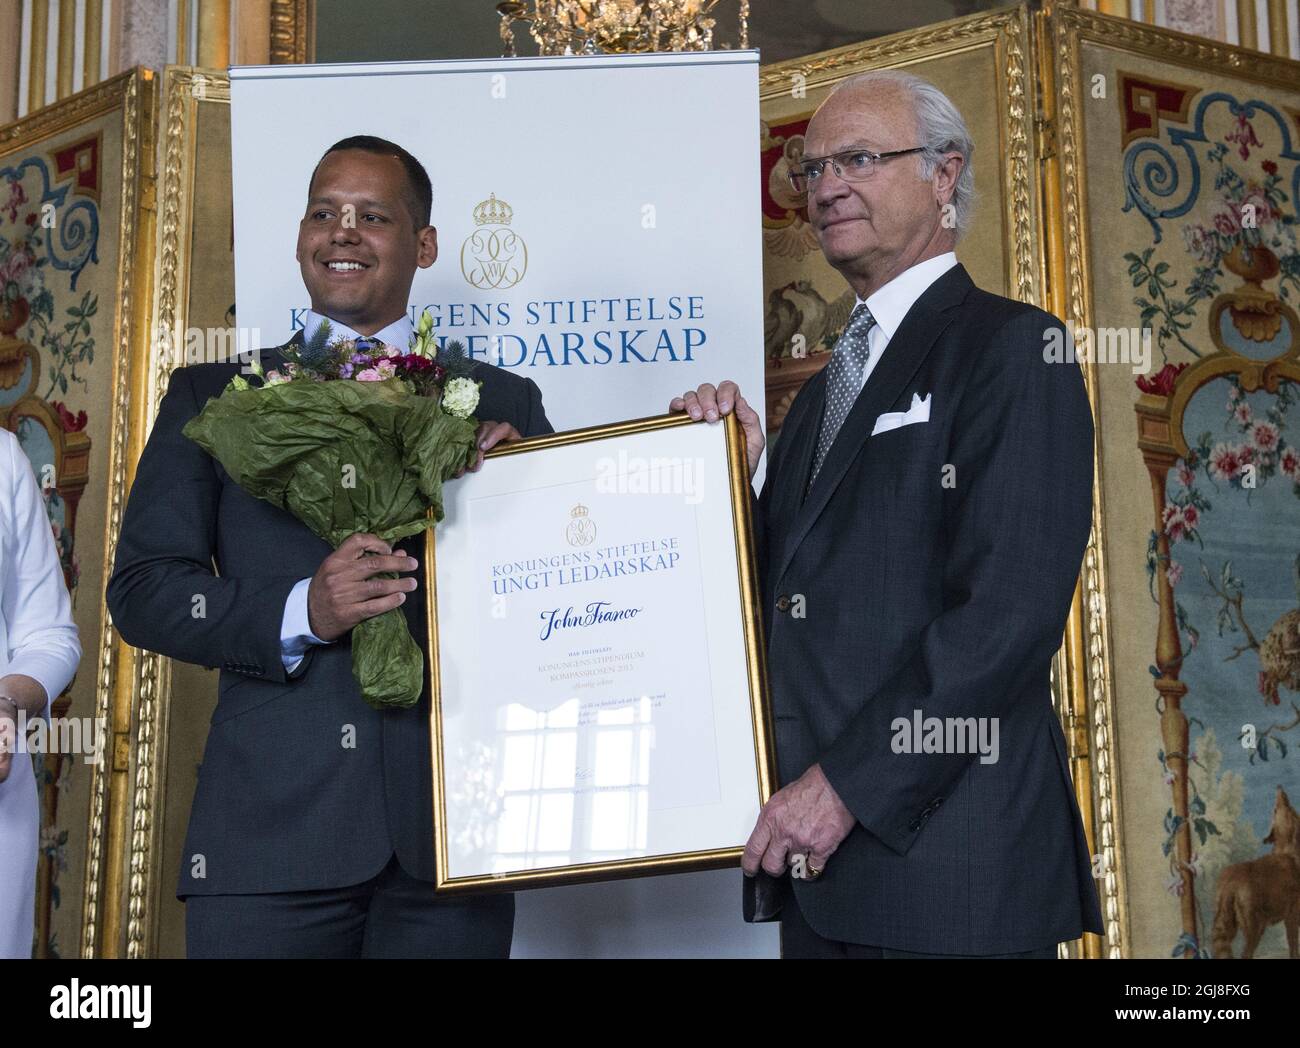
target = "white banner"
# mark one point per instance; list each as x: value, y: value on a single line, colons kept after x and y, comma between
x: 631, y: 186
x: 597, y: 217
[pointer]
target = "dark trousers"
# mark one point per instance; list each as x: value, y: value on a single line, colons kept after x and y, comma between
x: 390, y: 915
x: 800, y: 942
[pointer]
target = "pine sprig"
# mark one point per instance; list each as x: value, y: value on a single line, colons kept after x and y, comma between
x: 455, y: 360
x: 316, y: 353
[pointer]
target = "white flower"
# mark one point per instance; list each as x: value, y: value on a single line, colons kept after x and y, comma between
x: 460, y: 397
x: 423, y: 342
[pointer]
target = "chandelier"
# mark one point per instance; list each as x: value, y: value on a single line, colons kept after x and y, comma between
x: 589, y: 27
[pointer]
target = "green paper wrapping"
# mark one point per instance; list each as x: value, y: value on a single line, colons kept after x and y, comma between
x: 345, y: 457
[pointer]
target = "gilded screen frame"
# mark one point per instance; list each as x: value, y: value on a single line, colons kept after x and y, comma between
x: 1064, y: 29
x: 115, y: 664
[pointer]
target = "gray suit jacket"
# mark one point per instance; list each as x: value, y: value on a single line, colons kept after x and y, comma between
x: 281, y: 804
x: 945, y: 598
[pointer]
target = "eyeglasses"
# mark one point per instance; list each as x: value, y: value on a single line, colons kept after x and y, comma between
x: 852, y: 165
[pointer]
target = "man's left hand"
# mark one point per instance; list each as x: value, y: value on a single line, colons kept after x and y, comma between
x: 489, y: 435
x: 805, y: 817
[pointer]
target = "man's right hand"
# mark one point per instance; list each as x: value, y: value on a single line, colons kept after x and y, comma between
x: 344, y: 590
x: 709, y: 403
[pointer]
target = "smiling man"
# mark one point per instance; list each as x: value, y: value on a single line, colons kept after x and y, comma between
x: 311, y: 833
x: 920, y: 531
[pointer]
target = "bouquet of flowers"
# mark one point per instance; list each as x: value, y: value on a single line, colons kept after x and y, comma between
x: 351, y: 439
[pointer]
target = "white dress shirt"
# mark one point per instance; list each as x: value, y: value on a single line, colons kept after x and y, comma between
x: 295, y: 628
x: 39, y: 640
x: 890, y: 304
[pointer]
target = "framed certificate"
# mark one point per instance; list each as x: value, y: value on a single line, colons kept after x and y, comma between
x: 599, y: 699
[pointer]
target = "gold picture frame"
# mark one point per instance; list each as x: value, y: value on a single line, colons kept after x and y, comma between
x: 760, y: 716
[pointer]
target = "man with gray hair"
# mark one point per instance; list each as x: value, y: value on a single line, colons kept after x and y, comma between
x: 920, y: 532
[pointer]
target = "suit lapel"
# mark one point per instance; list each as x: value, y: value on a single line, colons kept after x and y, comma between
x: 800, y: 439
x: 274, y: 358
x: 910, y: 345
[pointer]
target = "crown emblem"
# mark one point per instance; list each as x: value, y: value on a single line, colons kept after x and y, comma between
x: 493, y: 212
x: 582, y: 529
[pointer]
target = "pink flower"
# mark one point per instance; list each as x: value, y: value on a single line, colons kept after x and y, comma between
x: 1185, y: 475
x: 72, y: 423
x: 17, y: 196
x: 1192, y: 516
x: 1224, y: 462
x: 369, y: 375
x: 1244, y: 135
x: 1227, y: 219
x: 1160, y: 384
x: 1234, y: 395
x: 1174, y: 523
x: 1243, y: 413
x: 1264, y: 436
x: 1291, y: 463
x: 1175, y: 573
x: 1199, y: 242
x: 1256, y: 199
x: 1245, y: 454
x: 15, y: 266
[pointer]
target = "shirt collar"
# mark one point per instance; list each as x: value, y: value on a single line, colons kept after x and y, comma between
x: 890, y: 304
x: 397, y: 334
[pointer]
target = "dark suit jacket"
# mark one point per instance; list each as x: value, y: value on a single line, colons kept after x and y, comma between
x: 281, y: 803
x: 946, y: 599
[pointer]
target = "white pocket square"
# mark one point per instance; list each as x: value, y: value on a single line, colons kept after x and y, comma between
x: 918, y: 412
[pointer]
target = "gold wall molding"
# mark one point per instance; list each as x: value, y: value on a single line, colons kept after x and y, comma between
x: 184, y: 89
x: 293, y: 31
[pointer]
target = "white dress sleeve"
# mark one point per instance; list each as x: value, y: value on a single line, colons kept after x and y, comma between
x: 42, y: 638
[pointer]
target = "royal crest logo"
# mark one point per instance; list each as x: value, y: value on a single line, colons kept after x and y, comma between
x: 582, y: 529
x: 494, y: 256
